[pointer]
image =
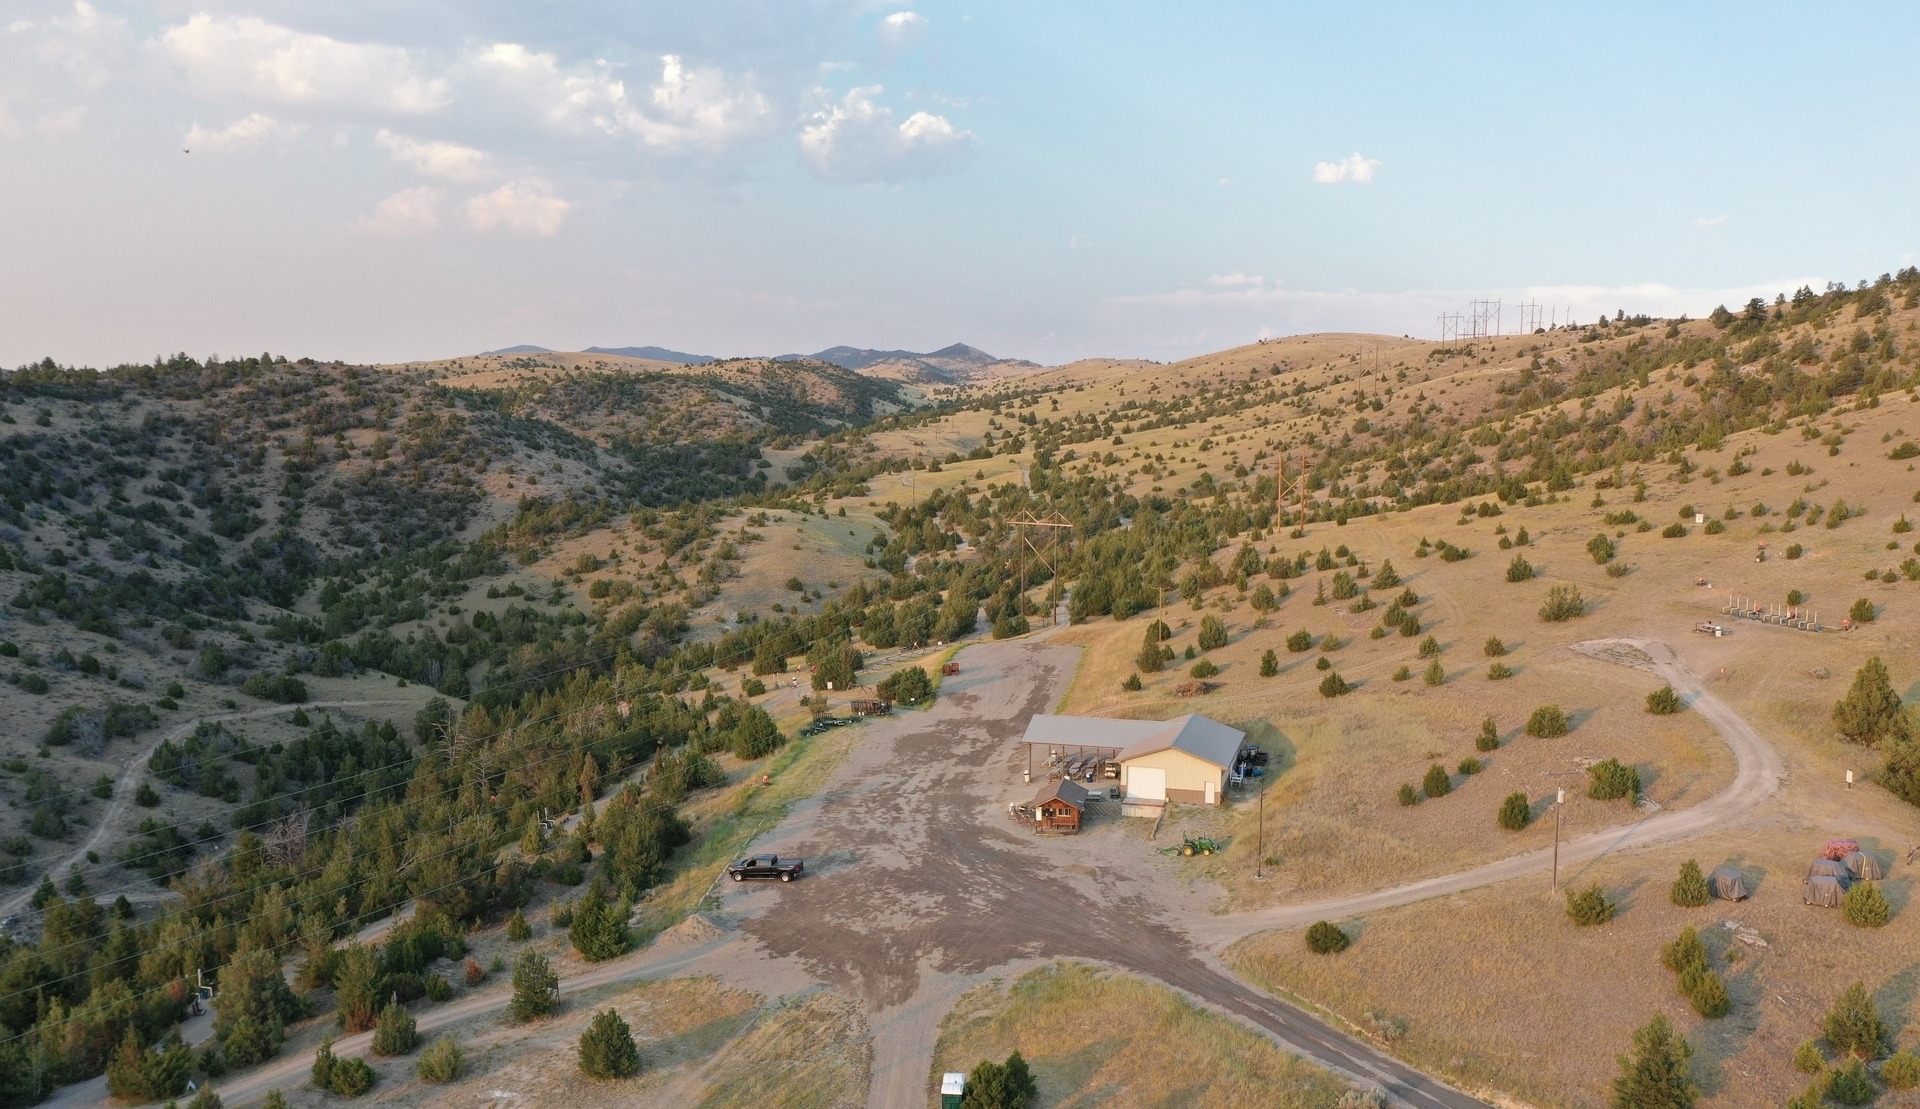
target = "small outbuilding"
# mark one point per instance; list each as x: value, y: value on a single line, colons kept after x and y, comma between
x: 1058, y: 807
x: 1727, y: 884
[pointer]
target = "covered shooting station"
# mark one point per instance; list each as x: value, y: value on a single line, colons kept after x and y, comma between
x: 1185, y: 759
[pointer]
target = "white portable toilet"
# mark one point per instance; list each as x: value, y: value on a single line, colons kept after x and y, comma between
x: 1699, y: 517
x: 953, y: 1087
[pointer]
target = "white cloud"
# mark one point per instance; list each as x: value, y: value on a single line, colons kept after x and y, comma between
x: 522, y: 207
x: 1235, y: 280
x: 77, y: 45
x: 1706, y: 222
x: 1356, y: 170
x: 857, y: 140
x: 434, y: 159
x: 241, y: 132
x: 901, y: 32
x: 248, y: 57
x: 687, y: 106
x: 407, y: 212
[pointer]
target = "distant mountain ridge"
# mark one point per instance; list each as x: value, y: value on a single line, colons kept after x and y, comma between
x: 658, y: 354
x: 949, y: 365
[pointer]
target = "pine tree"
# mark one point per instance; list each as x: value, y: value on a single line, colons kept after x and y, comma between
x: 1436, y: 674
x: 1871, y: 708
x: 356, y: 980
x: 518, y: 930
x: 599, y: 930
x: 1690, y: 889
x: 533, y: 840
x: 536, y: 989
x: 323, y: 1062
x: 1853, y: 1025
x: 606, y: 1048
x: 255, y: 1005
x: 1269, y: 664
x: 1865, y: 906
x: 1437, y: 783
x: 1516, y: 812
x: 1489, y: 737
x: 1655, y: 1077
x: 396, y: 1032
x: 275, y: 1100
x: 442, y: 1062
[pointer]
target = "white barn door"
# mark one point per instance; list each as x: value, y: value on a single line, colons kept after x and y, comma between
x: 1147, y: 782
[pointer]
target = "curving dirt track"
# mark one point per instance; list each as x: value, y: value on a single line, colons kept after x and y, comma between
x: 919, y: 889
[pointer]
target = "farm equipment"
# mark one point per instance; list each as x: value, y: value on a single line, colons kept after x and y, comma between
x: 1192, y: 845
x: 950, y: 669
x: 1019, y: 814
x: 1710, y: 628
x: 873, y: 708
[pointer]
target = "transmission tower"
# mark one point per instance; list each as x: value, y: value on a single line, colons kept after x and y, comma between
x: 1049, y: 533
x: 1529, y: 317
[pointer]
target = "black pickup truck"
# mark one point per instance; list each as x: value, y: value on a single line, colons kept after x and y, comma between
x: 766, y: 866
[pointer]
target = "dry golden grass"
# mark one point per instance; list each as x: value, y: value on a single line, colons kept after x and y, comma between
x: 701, y: 1043
x: 809, y: 1052
x: 1500, y: 990
x: 1094, y: 1037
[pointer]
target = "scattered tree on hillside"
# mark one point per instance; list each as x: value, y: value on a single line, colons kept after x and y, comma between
x: 1655, y: 1075
x: 1871, y: 710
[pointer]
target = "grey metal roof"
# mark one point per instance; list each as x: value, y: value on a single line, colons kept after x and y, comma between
x: 1199, y: 736
x: 1066, y: 789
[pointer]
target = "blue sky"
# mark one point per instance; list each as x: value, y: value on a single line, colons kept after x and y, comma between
x: 393, y: 179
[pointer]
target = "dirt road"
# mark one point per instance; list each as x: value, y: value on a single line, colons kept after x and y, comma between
x: 1758, y: 772
x: 920, y: 889
x: 129, y: 782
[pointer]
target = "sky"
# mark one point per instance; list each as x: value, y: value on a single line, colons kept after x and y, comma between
x: 386, y: 180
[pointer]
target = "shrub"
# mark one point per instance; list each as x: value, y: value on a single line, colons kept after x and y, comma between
x: 1706, y: 992
x: 1655, y: 1075
x: 1519, y: 569
x: 1809, y: 1059
x: 536, y: 989
x: 1663, y: 701
x: 438, y: 988
x: 1601, y: 548
x: 607, y: 1049
x: 475, y: 973
x: 1326, y: 938
x: 1402, y: 674
x: 1498, y: 671
x: 1547, y: 722
x: 1436, y: 674
x: 1323, y: 663
x: 1564, y: 602
x: 1849, y: 1084
x: 1470, y: 766
x: 1865, y: 906
x: 352, y: 1077
x: 1516, y: 812
x: 1333, y: 685
x: 1152, y: 656
x: 1673, y: 531
x: 1429, y: 647
x: 1852, y: 1026
x: 1213, y: 633
x: 1862, y: 611
x: 1007, y: 1085
x: 1489, y: 737
x: 1685, y: 952
x: 908, y: 685
x: 1493, y: 647
x: 1901, y: 1071
x: 395, y: 1033
x: 442, y: 1062
x: 1204, y: 669
x: 1269, y: 664
x: 1436, y: 783
x: 1132, y: 684
x: 518, y: 930
x: 1794, y: 551
x: 1590, y: 906
x: 1871, y: 710
x: 1409, y: 796
x: 1690, y: 889
x: 1388, y: 577
x: 1611, y: 780
x: 1300, y: 641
